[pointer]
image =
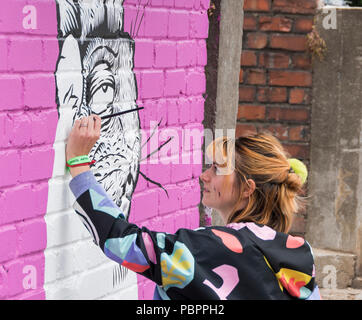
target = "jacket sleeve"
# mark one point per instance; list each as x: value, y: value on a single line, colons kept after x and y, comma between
x: 138, y: 249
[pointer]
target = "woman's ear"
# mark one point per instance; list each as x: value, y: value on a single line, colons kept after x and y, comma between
x: 249, y: 188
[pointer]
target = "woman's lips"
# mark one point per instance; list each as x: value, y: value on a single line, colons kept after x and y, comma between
x: 206, y: 190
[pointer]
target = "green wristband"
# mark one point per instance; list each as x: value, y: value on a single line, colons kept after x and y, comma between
x: 78, y: 160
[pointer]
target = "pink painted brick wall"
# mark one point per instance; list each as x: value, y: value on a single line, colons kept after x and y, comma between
x: 28, y: 119
x: 170, y: 56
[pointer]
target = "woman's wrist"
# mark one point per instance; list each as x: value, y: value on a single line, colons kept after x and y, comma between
x: 74, y: 171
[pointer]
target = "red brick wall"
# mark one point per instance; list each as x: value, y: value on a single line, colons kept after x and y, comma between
x: 276, y: 75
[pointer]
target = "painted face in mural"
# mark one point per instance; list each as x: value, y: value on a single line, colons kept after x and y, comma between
x: 95, y: 76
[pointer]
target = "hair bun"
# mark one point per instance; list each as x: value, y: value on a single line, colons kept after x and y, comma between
x: 299, y: 168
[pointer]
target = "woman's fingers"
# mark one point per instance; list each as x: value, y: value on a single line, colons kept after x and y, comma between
x: 97, y: 126
x: 84, y: 124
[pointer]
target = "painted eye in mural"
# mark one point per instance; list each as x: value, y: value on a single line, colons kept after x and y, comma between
x: 102, y: 97
x: 101, y: 89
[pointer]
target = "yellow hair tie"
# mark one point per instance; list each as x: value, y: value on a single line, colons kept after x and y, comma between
x: 299, y: 168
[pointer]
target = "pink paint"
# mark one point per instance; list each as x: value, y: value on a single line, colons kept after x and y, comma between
x: 170, y: 54
x: 28, y: 121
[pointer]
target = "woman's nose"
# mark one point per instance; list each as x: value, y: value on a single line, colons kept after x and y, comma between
x: 205, y: 176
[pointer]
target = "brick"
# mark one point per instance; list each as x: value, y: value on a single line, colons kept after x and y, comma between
x: 193, y: 218
x: 195, y: 83
x: 256, y: 40
x: 10, y: 162
x: 138, y: 27
x: 257, y: 5
x: 299, y: 133
x: 18, y: 129
x: 8, y: 240
x: 156, y: 22
x: 14, y: 277
x: 205, y: 4
x: 39, y: 91
x: 180, y: 220
x: 298, y: 96
x: 180, y: 172
x: 197, y: 106
x: 178, y: 24
x: 171, y: 202
x: 297, y: 150
x: 186, y: 53
x: 11, y: 16
x: 185, y: 110
x: 250, y: 23
x: 274, y: 60
x: 162, y: 112
x: 3, y: 54
x: 251, y: 112
x: 43, y: 126
x: 243, y: 129
x: 46, y: 12
x: 31, y: 236
x: 290, y: 78
x: 190, y: 194
x: 160, y: 172
x: 199, y: 25
x: 150, y: 113
x: 13, y: 99
x: 152, y: 84
x: 144, y: 54
x: 295, y: 6
x: 4, y: 139
x: 279, y: 24
x: 184, y: 4
x: 32, y: 61
x: 165, y: 54
x: 272, y: 94
x: 50, y: 54
x: 256, y: 76
x: 287, y: 42
x: 12, y: 209
x: 304, y: 25
x: 247, y: 94
x: 302, y: 61
x: 279, y: 131
x: 172, y: 112
x: 145, y: 205
x: 248, y: 58
x: 201, y: 53
x: 37, y: 163
x: 288, y: 114
x: 175, y: 83
x: 241, y: 76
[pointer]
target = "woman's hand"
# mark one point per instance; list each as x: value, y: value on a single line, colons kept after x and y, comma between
x: 84, y: 135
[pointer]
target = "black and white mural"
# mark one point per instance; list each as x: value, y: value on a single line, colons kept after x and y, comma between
x: 95, y: 76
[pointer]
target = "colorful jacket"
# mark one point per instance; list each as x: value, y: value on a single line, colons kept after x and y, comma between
x: 238, y: 261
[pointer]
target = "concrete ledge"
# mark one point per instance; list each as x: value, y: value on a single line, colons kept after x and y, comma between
x: 334, y: 270
x: 341, y: 294
x: 357, y: 283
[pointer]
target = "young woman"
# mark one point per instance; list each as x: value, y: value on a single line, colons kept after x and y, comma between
x: 254, y: 189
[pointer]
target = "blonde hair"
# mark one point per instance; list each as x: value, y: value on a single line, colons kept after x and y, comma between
x: 260, y: 157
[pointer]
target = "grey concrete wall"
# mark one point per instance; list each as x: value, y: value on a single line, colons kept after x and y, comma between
x: 335, y: 182
x: 230, y: 46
